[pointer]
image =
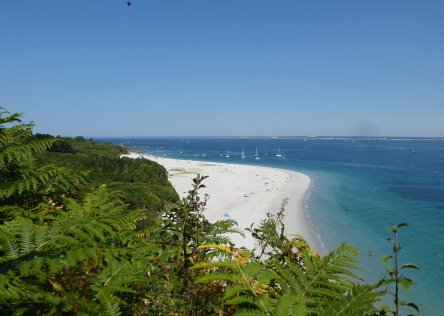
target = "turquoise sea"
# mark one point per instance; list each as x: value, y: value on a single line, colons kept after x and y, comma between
x: 360, y: 186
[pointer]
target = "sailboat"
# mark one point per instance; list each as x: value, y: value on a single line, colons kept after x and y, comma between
x: 284, y: 155
x: 243, y: 153
x: 228, y: 154
x: 256, y: 155
x: 265, y: 151
x: 278, y: 154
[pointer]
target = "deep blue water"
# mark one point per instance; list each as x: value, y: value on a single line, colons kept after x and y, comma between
x: 360, y: 186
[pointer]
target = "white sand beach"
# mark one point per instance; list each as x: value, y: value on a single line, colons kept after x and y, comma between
x: 244, y: 193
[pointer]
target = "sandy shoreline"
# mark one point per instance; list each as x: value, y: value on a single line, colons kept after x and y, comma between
x: 245, y: 193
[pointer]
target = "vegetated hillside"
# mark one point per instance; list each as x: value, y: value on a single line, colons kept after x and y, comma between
x: 144, y: 183
x: 73, y: 242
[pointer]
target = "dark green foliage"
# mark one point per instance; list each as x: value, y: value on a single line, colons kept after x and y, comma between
x: 62, y: 146
x: 66, y: 246
x: 85, y: 232
x: 25, y: 183
x: 144, y: 183
x: 81, y: 263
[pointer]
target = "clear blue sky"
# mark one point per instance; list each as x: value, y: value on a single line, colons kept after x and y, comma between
x: 224, y: 67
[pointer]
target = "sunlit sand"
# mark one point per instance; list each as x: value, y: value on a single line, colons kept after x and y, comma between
x: 244, y: 193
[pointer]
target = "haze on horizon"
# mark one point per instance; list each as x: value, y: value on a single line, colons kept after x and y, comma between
x: 199, y: 68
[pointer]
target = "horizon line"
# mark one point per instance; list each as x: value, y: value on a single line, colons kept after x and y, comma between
x: 272, y: 137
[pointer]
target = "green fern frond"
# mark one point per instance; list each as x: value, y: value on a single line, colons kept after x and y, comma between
x: 290, y: 304
x: 332, y: 265
x: 79, y: 234
x: 34, y: 267
x: 9, y: 245
x: 9, y: 118
x: 10, y: 289
x: 40, y: 236
x: 359, y: 301
x: 219, y: 230
x: 218, y: 247
x: 216, y: 264
x: 242, y: 300
x: 9, y: 212
x: 109, y: 302
x: 259, y: 272
x: 27, y: 237
x: 96, y: 230
x: 17, y: 237
x: 218, y: 276
x: 234, y: 290
x: 250, y: 312
x: 289, y: 279
x: 21, y: 152
x: 48, y: 179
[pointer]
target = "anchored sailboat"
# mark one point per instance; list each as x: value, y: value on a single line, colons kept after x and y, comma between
x: 256, y: 155
x: 228, y: 154
x: 243, y: 153
x: 278, y: 154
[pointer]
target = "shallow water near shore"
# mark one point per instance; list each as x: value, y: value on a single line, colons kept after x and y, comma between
x: 359, y: 187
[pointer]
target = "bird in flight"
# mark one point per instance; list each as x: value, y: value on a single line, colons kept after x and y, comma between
x: 128, y: 3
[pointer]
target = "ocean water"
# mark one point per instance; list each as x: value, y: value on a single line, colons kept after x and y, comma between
x: 359, y: 187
